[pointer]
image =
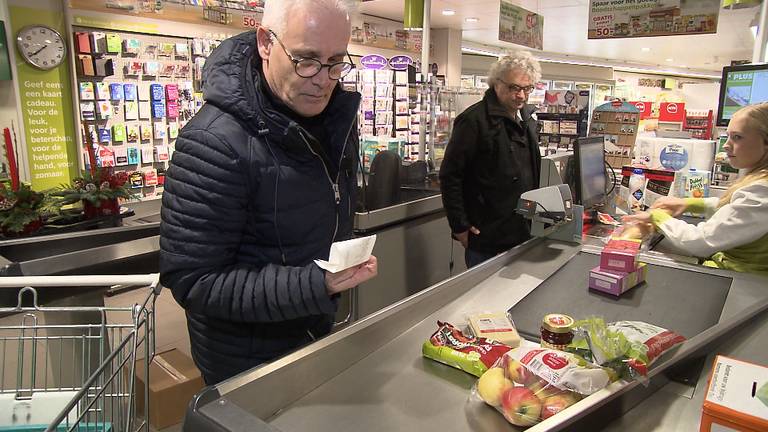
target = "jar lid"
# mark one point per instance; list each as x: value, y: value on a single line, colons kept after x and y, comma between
x: 557, y: 323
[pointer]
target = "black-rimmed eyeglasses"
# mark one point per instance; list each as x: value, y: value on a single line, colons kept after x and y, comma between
x: 309, y: 67
x: 514, y: 88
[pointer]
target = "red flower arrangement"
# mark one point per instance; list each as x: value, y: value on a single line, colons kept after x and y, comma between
x: 98, y: 189
x: 21, y: 208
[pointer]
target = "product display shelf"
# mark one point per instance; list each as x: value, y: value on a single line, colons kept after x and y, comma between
x: 135, y: 92
x: 618, y: 122
x: 699, y: 124
x: 563, y: 117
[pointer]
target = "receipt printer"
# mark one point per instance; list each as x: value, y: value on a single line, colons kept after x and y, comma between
x: 550, y: 205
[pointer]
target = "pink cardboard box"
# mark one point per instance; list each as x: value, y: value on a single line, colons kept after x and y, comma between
x: 620, y: 260
x: 616, y: 283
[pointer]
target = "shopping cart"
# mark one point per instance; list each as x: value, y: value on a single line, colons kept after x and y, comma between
x: 73, y: 368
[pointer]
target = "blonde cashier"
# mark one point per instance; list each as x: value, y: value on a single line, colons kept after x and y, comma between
x: 735, y: 236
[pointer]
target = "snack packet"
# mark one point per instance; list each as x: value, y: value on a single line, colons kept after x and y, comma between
x: 471, y: 354
x: 530, y: 384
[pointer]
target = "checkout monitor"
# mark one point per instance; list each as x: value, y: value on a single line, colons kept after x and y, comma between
x: 589, y: 182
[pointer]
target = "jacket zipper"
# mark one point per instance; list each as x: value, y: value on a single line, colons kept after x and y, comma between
x: 334, y: 185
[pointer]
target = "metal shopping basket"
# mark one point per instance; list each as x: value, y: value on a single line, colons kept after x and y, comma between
x: 63, y: 374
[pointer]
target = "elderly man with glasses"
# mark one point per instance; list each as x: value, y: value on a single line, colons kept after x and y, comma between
x: 491, y: 159
x: 262, y: 182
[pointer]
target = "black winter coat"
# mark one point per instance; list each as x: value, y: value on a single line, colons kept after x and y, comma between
x: 479, y: 175
x: 251, y: 199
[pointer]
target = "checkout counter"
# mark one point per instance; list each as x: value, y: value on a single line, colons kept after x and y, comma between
x: 372, y: 376
x: 404, y: 209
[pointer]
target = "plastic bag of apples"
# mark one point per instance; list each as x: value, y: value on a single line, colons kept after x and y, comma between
x: 530, y: 384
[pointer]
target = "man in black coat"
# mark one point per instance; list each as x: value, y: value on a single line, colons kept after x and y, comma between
x: 261, y: 184
x: 491, y: 159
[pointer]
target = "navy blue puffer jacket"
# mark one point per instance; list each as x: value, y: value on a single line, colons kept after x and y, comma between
x: 251, y: 199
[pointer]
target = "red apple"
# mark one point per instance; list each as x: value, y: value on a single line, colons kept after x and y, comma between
x: 517, y: 372
x: 554, y: 404
x: 521, y: 406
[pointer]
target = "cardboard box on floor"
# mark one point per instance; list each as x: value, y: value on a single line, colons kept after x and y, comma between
x: 173, y: 381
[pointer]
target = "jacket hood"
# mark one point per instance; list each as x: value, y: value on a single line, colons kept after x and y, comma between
x: 225, y: 83
x: 231, y: 78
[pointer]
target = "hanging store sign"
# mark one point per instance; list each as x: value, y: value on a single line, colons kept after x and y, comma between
x: 520, y: 26
x: 400, y: 62
x: 251, y: 21
x: 672, y: 112
x: 46, y: 105
x: 641, y: 18
x: 645, y: 109
x: 374, y: 61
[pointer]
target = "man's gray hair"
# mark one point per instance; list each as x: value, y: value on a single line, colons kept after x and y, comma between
x: 520, y: 59
x: 276, y: 12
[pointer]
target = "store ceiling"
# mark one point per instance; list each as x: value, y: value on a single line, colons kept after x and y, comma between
x: 565, y: 33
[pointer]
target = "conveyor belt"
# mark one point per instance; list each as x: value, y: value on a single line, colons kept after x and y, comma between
x: 684, y: 301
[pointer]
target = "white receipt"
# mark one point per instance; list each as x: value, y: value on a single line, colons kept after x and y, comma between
x: 348, y: 253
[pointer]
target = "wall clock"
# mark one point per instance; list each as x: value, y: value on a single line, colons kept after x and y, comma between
x: 41, y: 46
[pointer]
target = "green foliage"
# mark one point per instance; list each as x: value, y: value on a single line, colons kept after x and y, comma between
x: 104, y: 184
x: 19, y: 209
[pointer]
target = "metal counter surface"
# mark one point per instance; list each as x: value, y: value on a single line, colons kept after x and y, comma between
x: 373, y: 377
x: 370, y: 220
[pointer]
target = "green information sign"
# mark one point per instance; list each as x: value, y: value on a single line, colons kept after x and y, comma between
x: 46, y: 105
x: 5, y: 64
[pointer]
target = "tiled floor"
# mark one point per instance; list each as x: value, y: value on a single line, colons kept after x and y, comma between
x: 171, y: 332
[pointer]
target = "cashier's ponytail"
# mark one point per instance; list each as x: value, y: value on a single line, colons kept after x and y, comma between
x: 757, y: 118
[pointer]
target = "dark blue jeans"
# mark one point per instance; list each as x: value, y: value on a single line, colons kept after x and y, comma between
x: 473, y: 258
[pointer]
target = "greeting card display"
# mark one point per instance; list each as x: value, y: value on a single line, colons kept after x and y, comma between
x: 146, y: 132
x: 132, y: 132
x: 114, y: 43
x: 147, y: 154
x: 88, y: 110
x: 159, y: 130
x: 104, y: 109
x: 162, y: 154
x: 151, y: 68
x: 105, y: 135
x: 130, y: 92
x: 158, y: 110
x: 132, y: 46
x: 102, y: 90
x: 116, y: 91
x: 131, y: 110
x: 156, y: 92
x: 86, y: 91
x: 136, y: 179
x: 134, y: 156
x: 99, y: 42
x: 121, y: 156
x: 118, y: 132
x: 150, y: 177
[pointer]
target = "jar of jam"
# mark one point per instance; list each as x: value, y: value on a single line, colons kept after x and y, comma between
x: 556, y: 331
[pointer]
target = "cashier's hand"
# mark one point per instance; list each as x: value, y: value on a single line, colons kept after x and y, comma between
x: 351, y: 277
x: 463, y: 237
x: 637, y: 226
x: 673, y: 206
